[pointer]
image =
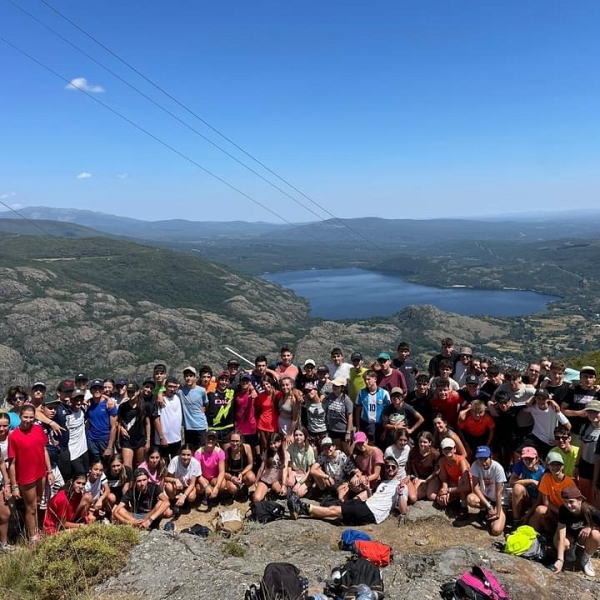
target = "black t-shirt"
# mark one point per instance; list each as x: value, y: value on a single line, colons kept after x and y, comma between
x: 421, y: 405
x: 577, y: 399
x: 575, y: 523
x: 489, y: 387
x: 506, y: 422
x: 409, y: 413
x: 559, y: 392
x: 141, y: 502
x: 409, y: 369
x: 133, y: 422
x: 219, y: 412
x: 114, y: 483
x: 467, y: 398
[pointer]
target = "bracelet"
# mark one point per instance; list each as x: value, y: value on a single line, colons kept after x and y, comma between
x: 50, y: 471
x: 14, y: 488
x: 560, y: 560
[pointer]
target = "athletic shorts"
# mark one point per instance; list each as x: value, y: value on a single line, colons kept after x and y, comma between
x: 356, y: 512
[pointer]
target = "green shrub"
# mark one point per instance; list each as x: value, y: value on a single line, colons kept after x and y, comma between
x: 65, y: 565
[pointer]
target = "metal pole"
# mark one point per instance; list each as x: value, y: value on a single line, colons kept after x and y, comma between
x: 239, y: 355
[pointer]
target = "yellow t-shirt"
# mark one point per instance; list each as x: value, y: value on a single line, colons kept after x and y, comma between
x: 357, y: 381
x: 569, y: 458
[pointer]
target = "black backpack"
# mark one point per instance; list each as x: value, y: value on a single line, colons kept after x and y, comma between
x: 345, y: 580
x: 266, y: 511
x: 280, y: 581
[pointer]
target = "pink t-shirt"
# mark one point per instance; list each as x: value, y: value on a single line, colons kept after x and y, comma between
x: 210, y: 462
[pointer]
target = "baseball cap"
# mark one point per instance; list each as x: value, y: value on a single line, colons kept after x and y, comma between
x: 323, y: 369
x: 212, y: 433
x: 48, y: 400
x: 78, y: 394
x: 470, y: 379
x: 149, y: 381
x: 310, y: 361
x: 66, y: 385
x: 356, y: 356
x: 309, y: 386
x: 245, y: 376
x: 593, y: 405
x: 390, y: 459
x: 571, y: 492
x: 483, y: 452
x: 132, y: 386
x: 81, y: 376
x: 233, y: 361
x: 554, y: 457
x: 39, y: 384
x: 96, y: 383
x: 339, y: 381
x: 224, y: 375
x: 190, y: 369
x: 466, y: 350
x: 326, y: 441
x: 123, y: 381
x: 447, y: 443
x: 384, y: 356
x: 360, y: 437
x: 529, y: 452
x: 397, y: 390
x: 588, y: 369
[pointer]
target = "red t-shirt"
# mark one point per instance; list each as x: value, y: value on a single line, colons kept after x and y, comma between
x: 267, y: 420
x: 27, y: 448
x: 477, y: 428
x: 60, y: 509
x: 448, y: 408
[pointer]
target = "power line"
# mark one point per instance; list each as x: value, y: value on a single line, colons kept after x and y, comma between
x: 163, y: 108
x: 154, y: 137
x: 222, y: 135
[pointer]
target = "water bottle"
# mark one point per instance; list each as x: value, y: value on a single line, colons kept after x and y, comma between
x: 364, y: 592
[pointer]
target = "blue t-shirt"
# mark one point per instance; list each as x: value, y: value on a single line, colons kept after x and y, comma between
x: 193, y: 402
x: 14, y: 420
x: 372, y: 404
x: 98, y: 417
x: 524, y: 473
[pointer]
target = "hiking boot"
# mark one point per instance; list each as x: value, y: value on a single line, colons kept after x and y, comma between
x: 463, y: 514
x: 587, y: 567
x: 571, y: 553
x: 296, y: 506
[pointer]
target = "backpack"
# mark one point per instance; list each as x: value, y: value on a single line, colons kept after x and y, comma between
x: 229, y: 521
x: 266, y: 511
x: 349, y: 536
x: 376, y: 552
x: 525, y: 542
x: 198, y: 530
x: 478, y: 584
x: 344, y: 581
x: 280, y: 581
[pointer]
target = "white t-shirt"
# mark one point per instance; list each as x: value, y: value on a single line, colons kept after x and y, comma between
x: 383, y: 500
x: 488, y: 478
x: 342, y: 372
x: 184, y: 474
x: 401, y: 457
x: 545, y: 421
x: 77, y: 440
x: 171, y: 419
x: 95, y: 488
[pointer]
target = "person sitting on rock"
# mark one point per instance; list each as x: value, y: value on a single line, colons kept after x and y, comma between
x: 274, y: 471
x: 524, y: 480
x: 212, y: 465
x: 423, y: 468
x: 332, y: 469
x: 369, y: 463
x: 356, y: 512
x: 239, y: 462
x: 182, y: 474
x: 554, y: 480
x: 455, y: 477
x: 489, y: 479
x: 69, y: 509
x: 578, y: 525
x: 143, y: 504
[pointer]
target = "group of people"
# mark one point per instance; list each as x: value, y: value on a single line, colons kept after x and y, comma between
x: 363, y: 438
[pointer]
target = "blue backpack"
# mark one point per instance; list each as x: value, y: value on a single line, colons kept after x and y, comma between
x: 349, y: 536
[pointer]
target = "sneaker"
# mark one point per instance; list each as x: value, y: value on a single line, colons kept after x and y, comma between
x: 204, y: 501
x: 571, y: 553
x: 295, y: 506
x: 588, y: 569
x: 6, y: 548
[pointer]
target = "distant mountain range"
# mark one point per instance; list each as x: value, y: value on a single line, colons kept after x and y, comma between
x: 359, y: 231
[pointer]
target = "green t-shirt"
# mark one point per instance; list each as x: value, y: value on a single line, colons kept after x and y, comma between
x: 357, y: 381
x: 569, y: 458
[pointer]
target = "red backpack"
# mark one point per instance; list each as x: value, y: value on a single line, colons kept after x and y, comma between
x: 375, y: 552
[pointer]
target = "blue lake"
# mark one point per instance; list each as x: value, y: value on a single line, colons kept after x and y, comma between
x: 358, y: 294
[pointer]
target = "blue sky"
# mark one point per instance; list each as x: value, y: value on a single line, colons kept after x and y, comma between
x: 394, y: 109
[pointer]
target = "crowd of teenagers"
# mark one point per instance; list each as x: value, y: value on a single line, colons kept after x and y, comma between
x: 358, y: 439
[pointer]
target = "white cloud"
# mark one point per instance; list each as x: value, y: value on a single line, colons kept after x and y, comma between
x: 122, y: 175
x: 8, y: 195
x: 81, y: 83
x: 84, y: 175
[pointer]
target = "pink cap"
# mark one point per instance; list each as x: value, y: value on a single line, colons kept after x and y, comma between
x: 529, y: 452
x: 360, y: 436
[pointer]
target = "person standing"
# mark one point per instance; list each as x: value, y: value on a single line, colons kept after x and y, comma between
x: 194, y: 401
x: 101, y: 423
x: 168, y: 419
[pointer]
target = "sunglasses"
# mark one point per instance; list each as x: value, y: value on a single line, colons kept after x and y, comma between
x: 561, y: 438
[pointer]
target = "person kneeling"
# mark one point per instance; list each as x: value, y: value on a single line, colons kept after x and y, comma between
x: 355, y: 511
x: 488, y: 486
x: 578, y: 525
x: 143, y: 504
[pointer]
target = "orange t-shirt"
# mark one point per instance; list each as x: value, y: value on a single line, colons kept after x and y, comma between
x: 453, y: 472
x: 477, y: 428
x: 552, y: 488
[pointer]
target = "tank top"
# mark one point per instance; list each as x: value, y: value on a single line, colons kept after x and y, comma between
x: 237, y: 465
